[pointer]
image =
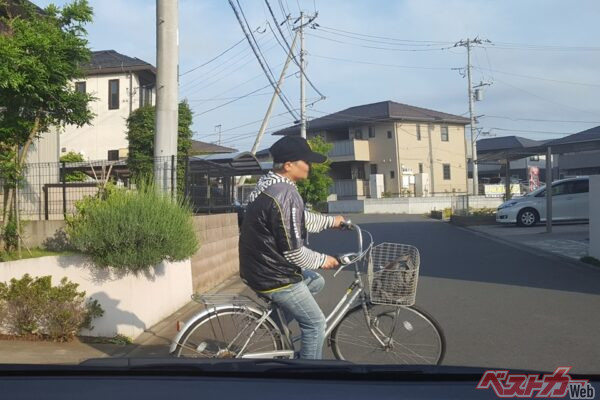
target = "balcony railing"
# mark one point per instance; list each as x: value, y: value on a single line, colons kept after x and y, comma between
x: 350, y: 150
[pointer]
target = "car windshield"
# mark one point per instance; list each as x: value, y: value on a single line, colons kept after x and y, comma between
x: 342, y: 180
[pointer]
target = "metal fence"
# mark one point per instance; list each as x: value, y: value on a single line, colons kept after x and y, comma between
x: 460, y: 205
x: 50, y: 191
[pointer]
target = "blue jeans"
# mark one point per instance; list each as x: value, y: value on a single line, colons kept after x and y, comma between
x: 297, y: 302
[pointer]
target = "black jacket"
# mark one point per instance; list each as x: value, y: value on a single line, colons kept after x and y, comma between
x: 271, y: 249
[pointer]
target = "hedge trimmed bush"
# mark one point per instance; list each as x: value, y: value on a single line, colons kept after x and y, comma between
x: 32, y: 306
x: 132, y: 230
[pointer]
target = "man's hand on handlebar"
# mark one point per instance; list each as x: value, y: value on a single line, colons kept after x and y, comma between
x: 330, y: 263
x: 339, y: 221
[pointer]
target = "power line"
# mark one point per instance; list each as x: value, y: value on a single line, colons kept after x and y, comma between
x: 280, y: 93
x: 376, y: 47
x: 238, y: 57
x: 366, y: 39
x: 242, y: 125
x: 531, y: 131
x: 539, y: 78
x: 260, y: 61
x: 225, y: 98
x: 240, y: 98
x: 288, y: 48
x: 382, y: 65
x: 386, y: 37
x: 541, y: 47
x: 213, y: 59
x: 544, y: 98
x: 540, y: 120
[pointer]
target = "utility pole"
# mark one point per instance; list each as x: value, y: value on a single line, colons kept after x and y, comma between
x: 302, y: 94
x: 300, y: 28
x: 218, y: 129
x: 167, y: 56
x: 469, y: 44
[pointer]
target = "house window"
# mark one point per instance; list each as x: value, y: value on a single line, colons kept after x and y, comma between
x: 113, y: 94
x: 446, y: 172
x: 418, y: 131
x: 358, y: 134
x: 146, y: 96
x: 392, y: 174
x: 113, y: 155
x: 389, y: 133
x: 534, y: 158
x: 80, y: 87
x: 371, y: 132
x: 420, y: 167
x: 444, y: 131
x: 373, y: 169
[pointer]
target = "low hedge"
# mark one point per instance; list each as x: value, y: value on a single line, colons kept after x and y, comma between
x: 132, y: 230
x: 32, y: 306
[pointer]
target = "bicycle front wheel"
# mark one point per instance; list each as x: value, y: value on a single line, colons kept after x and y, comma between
x: 409, y: 336
x: 224, y: 333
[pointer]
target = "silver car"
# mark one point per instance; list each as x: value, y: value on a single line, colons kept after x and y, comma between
x: 570, y: 201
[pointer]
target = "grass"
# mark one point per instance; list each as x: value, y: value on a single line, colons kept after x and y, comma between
x: 590, y: 260
x: 35, y: 253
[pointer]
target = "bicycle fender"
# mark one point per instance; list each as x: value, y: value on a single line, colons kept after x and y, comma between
x: 203, y: 314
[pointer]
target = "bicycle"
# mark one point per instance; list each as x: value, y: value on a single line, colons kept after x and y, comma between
x: 384, y: 327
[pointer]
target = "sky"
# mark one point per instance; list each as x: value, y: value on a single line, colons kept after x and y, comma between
x: 541, y: 62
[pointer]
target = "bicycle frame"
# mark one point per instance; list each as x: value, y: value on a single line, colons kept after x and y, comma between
x: 355, y: 290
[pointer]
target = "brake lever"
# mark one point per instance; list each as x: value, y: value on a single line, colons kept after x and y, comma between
x: 344, y: 260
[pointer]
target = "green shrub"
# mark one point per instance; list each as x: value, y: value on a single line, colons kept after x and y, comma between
x: 485, y: 211
x: 76, y: 176
x: 132, y: 230
x: 9, y: 234
x: 33, y: 306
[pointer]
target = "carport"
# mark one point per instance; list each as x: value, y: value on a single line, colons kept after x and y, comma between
x: 511, y: 148
x: 210, y: 179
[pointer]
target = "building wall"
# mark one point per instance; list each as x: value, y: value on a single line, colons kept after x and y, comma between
x: 108, y: 129
x: 383, y: 153
x: 412, y: 151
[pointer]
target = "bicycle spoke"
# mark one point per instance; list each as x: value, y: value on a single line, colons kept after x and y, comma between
x: 409, y: 337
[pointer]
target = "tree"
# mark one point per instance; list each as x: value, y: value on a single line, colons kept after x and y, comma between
x: 41, y: 54
x: 76, y: 176
x: 140, y: 134
x: 315, y: 189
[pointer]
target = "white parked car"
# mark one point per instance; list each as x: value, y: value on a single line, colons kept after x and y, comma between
x: 570, y: 201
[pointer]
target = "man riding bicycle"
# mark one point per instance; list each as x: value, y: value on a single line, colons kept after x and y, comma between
x: 273, y: 259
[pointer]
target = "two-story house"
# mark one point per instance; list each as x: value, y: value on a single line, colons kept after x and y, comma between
x: 417, y: 151
x: 120, y: 84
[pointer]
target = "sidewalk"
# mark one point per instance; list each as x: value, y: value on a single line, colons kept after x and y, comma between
x: 154, y: 342
x: 566, y: 240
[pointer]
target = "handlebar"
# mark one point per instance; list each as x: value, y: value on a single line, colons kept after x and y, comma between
x: 349, y: 258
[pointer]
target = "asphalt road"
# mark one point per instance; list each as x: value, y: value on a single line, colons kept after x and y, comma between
x: 499, y: 306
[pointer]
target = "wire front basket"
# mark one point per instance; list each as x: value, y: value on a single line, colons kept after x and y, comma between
x: 393, y: 274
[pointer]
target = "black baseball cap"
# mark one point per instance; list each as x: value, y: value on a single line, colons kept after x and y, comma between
x: 294, y: 148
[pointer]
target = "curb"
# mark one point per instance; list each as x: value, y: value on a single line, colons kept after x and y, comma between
x: 532, y: 250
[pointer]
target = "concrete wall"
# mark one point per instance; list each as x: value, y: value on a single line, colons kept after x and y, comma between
x: 131, y: 303
x: 594, y: 249
x: 406, y: 205
x: 35, y: 233
x: 218, y: 257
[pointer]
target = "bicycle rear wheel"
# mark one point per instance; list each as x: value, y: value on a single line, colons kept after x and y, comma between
x: 223, y: 333
x: 411, y: 336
